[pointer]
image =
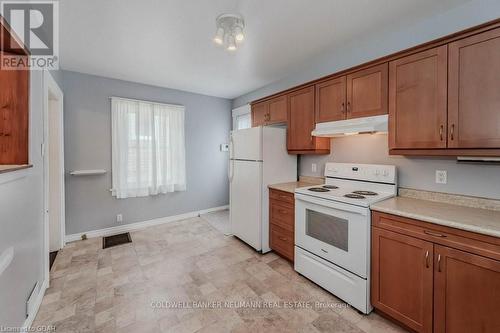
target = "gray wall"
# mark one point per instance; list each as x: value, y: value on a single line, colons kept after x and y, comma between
x: 21, y: 221
x: 471, y: 179
x: 376, y: 44
x: 87, y: 132
x: 478, y: 180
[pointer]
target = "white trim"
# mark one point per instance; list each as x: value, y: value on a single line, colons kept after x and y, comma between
x: 241, y: 110
x: 50, y: 85
x: 141, y: 225
x: 145, y: 101
x: 39, y: 298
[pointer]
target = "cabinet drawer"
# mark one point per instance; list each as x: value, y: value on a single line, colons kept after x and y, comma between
x: 455, y: 238
x: 282, y: 241
x: 281, y: 196
x: 282, y: 214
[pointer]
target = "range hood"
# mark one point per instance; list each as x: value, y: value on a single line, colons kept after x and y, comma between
x: 352, y: 126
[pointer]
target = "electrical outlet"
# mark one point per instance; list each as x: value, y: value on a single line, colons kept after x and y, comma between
x: 119, y: 218
x: 441, y: 177
x: 224, y: 147
x: 314, y: 167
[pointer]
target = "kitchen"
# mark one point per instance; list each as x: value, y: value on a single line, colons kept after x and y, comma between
x: 408, y: 253
x: 250, y: 166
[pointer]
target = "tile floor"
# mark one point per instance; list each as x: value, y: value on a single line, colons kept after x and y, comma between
x: 219, y: 284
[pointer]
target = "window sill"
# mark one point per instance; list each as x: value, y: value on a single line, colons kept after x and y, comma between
x: 11, y: 168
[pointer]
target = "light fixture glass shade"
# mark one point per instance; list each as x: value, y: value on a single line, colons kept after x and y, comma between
x: 231, y: 43
x: 219, y: 36
x: 238, y: 34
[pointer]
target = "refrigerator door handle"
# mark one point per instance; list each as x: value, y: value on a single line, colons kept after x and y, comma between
x: 230, y: 173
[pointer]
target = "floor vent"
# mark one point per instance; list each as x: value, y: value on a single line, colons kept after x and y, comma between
x: 115, y: 240
x: 52, y: 258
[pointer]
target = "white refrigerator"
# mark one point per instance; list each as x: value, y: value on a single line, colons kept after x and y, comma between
x: 258, y: 157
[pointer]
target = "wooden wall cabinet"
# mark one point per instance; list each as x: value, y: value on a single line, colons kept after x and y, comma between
x: 417, y: 100
x: 301, y: 122
x: 433, y: 278
x: 360, y: 94
x: 273, y: 111
x: 446, y: 101
x: 474, y: 91
x: 14, y: 112
x: 282, y: 223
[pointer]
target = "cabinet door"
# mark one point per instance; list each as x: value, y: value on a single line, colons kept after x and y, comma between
x: 417, y: 100
x: 466, y: 292
x: 474, y: 95
x: 277, y: 110
x: 301, y: 119
x: 401, y: 286
x: 259, y: 114
x: 330, y: 100
x: 14, y: 116
x: 367, y: 92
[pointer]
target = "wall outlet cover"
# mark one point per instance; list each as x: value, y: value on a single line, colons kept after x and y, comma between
x: 314, y: 167
x: 441, y: 177
x: 224, y: 147
x: 119, y: 218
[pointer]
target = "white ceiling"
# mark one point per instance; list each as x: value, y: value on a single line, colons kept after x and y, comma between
x: 168, y: 43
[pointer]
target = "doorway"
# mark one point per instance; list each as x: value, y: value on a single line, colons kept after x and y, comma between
x: 53, y: 166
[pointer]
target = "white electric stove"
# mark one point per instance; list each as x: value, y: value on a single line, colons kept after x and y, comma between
x: 332, y: 228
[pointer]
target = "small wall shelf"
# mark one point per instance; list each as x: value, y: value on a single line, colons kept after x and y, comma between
x: 87, y: 172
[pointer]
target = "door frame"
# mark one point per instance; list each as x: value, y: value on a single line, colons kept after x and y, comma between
x: 50, y: 87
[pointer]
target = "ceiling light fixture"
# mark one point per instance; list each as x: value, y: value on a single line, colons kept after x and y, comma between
x: 229, y: 31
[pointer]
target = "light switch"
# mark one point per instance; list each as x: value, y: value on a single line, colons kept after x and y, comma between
x: 224, y: 147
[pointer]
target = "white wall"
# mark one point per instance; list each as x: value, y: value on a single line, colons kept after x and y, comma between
x: 21, y: 221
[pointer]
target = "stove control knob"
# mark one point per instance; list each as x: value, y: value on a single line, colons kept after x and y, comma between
x: 377, y: 172
x: 386, y: 173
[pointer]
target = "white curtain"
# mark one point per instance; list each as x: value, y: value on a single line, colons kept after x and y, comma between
x: 148, y: 148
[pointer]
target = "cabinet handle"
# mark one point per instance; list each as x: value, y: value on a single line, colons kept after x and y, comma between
x: 452, y: 132
x: 441, y: 128
x: 427, y: 258
x: 439, y: 263
x: 435, y: 234
x: 342, y: 110
x: 348, y: 107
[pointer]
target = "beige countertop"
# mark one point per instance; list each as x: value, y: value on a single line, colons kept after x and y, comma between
x: 482, y: 221
x: 289, y: 187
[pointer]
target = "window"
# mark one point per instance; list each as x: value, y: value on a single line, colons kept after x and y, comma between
x: 148, y: 152
x: 242, y: 117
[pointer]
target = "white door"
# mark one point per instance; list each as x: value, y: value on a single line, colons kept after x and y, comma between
x: 246, y: 202
x: 246, y: 144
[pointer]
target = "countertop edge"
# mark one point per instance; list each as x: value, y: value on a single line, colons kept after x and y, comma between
x: 429, y: 219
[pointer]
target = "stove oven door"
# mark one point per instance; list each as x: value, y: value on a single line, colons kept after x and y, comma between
x: 335, y: 231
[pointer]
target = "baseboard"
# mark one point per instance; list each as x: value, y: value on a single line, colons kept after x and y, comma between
x: 140, y: 225
x: 29, y: 321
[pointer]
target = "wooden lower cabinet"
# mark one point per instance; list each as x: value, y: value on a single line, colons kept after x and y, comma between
x: 466, y: 292
x: 402, y: 278
x: 282, y: 223
x: 434, y: 279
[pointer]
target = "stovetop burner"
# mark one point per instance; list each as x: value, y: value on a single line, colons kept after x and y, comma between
x: 330, y: 187
x: 365, y: 192
x: 354, y: 196
x: 318, y: 189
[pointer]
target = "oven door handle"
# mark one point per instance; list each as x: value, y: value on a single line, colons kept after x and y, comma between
x: 333, y: 204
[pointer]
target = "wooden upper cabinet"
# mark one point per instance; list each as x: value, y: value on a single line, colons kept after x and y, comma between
x: 269, y: 112
x: 402, y: 278
x: 331, y: 100
x: 301, y: 119
x: 418, y: 100
x: 466, y: 292
x: 367, y: 92
x: 14, y: 116
x: 301, y: 122
x: 474, y: 91
x: 277, y: 110
x: 259, y: 113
